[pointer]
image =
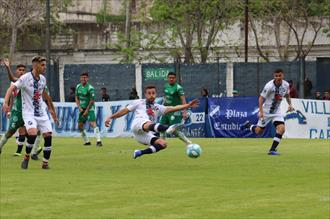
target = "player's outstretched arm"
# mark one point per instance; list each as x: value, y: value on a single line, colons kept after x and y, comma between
x: 118, y: 114
x: 288, y: 99
x: 261, y: 110
x: 184, y: 101
x: 194, y: 103
x: 11, y: 76
x: 6, y: 106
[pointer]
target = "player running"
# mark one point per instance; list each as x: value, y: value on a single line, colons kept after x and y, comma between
x: 144, y: 124
x: 269, y: 109
x: 32, y: 86
x: 85, y: 100
x: 174, y: 96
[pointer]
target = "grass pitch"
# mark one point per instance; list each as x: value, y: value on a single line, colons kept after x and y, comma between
x: 234, y: 179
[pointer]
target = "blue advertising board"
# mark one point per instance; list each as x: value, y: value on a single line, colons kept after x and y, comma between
x: 227, y: 114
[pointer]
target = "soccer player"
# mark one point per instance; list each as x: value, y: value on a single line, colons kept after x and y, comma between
x: 16, y: 120
x: 174, y: 96
x: 32, y: 85
x: 85, y: 100
x: 144, y: 124
x: 269, y: 109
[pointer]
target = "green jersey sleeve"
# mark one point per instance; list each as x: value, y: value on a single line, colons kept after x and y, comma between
x: 91, y: 93
x: 76, y: 91
x: 180, y: 91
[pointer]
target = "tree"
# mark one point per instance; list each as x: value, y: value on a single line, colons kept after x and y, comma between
x: 194, y: 23
x: 287, y: 21
x: 18, y: 13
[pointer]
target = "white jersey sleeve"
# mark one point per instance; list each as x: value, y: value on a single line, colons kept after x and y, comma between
x: 132, y: 106
x: 266, y: 91
x: 161, y: 108
x: 20, y: 83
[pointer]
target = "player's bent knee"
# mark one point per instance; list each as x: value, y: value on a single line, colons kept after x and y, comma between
x: 146, y: 125
x: 22, y: 131
x: 32, y: 131
x: 47, y: 134
x: 161, y: 142
x: 259, y: 130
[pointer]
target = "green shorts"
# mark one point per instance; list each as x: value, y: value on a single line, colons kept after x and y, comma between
x: 171, y: 118
x: 90, y: 117
x: 16, y: 120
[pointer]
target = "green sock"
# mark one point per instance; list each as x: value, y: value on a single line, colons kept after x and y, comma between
x: 162, y: 135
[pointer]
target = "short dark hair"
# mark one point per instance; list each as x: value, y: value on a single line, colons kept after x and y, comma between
x: 38, y: 59
x: 149, y: 87
x: 171, y: 73
x: 103, y: 88
x: 84, y: 74
x: 279, y: 70
x: 20, y: 66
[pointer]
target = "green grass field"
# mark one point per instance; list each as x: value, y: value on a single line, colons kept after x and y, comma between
x: 234, y: 178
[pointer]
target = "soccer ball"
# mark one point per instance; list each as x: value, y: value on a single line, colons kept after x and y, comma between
x: 194, y: 150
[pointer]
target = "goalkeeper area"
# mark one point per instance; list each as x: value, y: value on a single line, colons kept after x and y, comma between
x: 233, y: 178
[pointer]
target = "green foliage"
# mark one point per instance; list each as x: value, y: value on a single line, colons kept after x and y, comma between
x: 195, y: 23
x: 103, y: 17
x: 138, y: 50
x: 233, y: 179
x: 289, y: 18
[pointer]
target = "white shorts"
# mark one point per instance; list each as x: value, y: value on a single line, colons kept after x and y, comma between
x: 41, y: 123
x: 267, y: 118
x: 140, y: 135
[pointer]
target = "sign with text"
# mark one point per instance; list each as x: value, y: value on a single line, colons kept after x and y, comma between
x: 227, y: 114
x: 121, y: 127
x: 310, y: 119
x: 154, y: 73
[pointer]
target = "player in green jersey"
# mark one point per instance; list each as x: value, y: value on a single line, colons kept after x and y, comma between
x: 16, y: 120
x: 174, y: 96
x: 85, y: 100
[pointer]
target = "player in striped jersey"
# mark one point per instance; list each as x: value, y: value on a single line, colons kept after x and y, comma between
x: 35, y: 117
x: 269, y: 109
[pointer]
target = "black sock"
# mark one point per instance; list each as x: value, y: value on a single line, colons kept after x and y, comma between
x: 47, y: 147
x: 157, y: 127
x: 152, y: 149
x: 21, y: 139
x: 276, y: 141
x: 30, y: 142
x: 19, y: 149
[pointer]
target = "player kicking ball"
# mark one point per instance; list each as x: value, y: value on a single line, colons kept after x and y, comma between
x: 269, y: 109
x: 144, y: 124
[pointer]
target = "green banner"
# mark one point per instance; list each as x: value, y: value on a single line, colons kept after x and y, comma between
x: 156, y: 73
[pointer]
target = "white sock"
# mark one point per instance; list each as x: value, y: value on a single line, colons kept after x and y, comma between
x: 36, y: 145
x: 3, y: 140
x: 182, y: 137
x: 84, y: 136
x: 162, y: 135
x: 97, y: 133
